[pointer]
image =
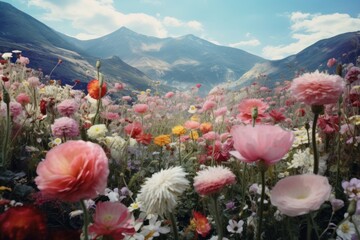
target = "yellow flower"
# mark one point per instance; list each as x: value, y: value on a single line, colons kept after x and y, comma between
x: 162, y: 140
x: 195, y: 118
x: 178, y: 130
x: 194, y: 135
x: 355, y: 119
x: 3, y: 188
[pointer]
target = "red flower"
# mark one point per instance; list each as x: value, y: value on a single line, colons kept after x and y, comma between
x: 198, y: 85
x: 329, y: 124
x: 300, y: 112
x: 93, y: 88
x: 5, y: 79
x: 133, y: 129
x: 21, y: 223
x: 43, y: 105
x: 144, y: 138
x: 277, y: 116
x: 201, y: 223
x: 219, y: 151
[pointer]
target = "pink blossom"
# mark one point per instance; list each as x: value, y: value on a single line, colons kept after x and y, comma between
x: 353, y: 74
x: 24, y: 60
x: 111, y: 219
x: 246, y: 107
x: 119, y: 86
x: 126, y: 98
x: 23, y: 99
x: 329, y: 124
x: 110, y: 115
x: 65, y: 127
x: 210, y: 136
x: 300, y: 194
x: 169, y: 95
x: 33, y: 81
x: 73, y: 171
x: 220, y: 111
x: 208, y: 105
x: 213, y: 179
x: 15, y: 109
x: 277, y: 116
x: 141, y: 108
x: 191, y: 125
x: 67, y: 107
x: 133, y: 129
x: 317, y: 88
x: 331, y: 62
x: 265, y: 143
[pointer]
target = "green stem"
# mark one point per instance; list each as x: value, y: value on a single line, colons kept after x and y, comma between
x: 356, y: 228
x: 262, y: 173
x: 179, y: 150
x: 86, y: 220
x: 308, y: 227
x: 6, y: 137
x: 316, y: 110
x: 174, y: 226
x: 217, y: 216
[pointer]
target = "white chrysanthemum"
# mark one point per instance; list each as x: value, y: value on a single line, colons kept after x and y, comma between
x: 116, y: 144
x: 304, y: 161
x: 97, y: 131
x: 159, y: 194
x: 346, y: 230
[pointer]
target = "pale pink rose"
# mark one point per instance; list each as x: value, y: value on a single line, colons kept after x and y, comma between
x: 33, y: 81
x: 331, y: 62
x: 317, y: 88
x: 213, y: 179
x: 191, y: 125
x: 265, y: 143
x: 111, y: 219
x: 220, y: 111
x: 141, y: 108
x: 169, y: 95
x: 300, y: 194
x: 65, y: 127
x: 208, y: 105
x: 68, y: 107
x: 246, y: 107
x: 23, y: 99
x: 73, y: 171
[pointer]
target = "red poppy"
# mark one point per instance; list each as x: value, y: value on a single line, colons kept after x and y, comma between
x: 144, y: 138
x: 93, y: 88
x: 202, y: 224
x: 24, y: 222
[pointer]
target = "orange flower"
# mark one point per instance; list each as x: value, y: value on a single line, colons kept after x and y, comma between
x: 93, y: 88
x: 162, y: 140
x: 178, y: 130
x: 205, y: 127
x: 202, y: 224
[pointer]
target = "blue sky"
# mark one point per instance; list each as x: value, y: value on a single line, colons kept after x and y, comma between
x: 271, y: 29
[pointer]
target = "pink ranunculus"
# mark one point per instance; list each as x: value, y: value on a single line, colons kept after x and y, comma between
x: 220, y: 111
x: 267, y: 143
x: 213, y: 179
x: 353, y: 74
x: 191, y: 125
x: 169, y: 95
x: 23, y: 99
x: 317, y: 88
x: 208, y: 105
x: 15, y: 109
x: 68, y: 107
x: 246, y: 107
x: 65, y: 127
x: 73, y: 171
x: 112, y: 219
x: 300, y: 194
x: 331, y: 62
x: 141, y: 108
x: 33, y: 81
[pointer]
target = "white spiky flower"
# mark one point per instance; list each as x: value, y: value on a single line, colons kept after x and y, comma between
x: 159, y: 194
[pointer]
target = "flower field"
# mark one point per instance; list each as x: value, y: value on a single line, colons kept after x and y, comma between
x: 254, y: 163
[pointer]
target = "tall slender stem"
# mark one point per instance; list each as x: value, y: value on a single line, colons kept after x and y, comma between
x: 174, y: 226
x: 308, y: 227
x: 6, y: 137
x: 260, y: 221
x: 86, y: 220
x: 217, y: 216
x: 316, y: 110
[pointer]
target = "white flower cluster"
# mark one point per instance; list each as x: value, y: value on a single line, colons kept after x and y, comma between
x: 96, y: 132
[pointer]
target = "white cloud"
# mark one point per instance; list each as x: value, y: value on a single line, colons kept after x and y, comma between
x: 248, y: 43
x: 95, y: 18
x: 309, y: 28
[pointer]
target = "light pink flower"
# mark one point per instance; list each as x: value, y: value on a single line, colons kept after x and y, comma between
x: 213, y: 180
x: 208, y: 105
x: 141, y: 108
x: 65, y: 127
x: 119, y: 86
x: 73, y: 171
x: 126, y: 98
x: 211, y: 135
x: 317, y: 88
x: 331, y: 62
x: 353, y: 74
x: 23, y: 99
x: 267, y: 143
x: 220, y: 111
x: 246, y: 107
x: 110, y: 115
x: 33, y: 81
x: 15, y: 109
x: 111, y: 219
x: 169, y: 95
x: 68, y: 107
x: 191, y: 125
x: 300, y: 194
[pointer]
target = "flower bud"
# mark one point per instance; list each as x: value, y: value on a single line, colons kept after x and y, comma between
x: 98, y: 64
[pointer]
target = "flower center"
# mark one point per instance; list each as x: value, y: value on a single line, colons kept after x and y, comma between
x: 345, y: 228
x: 149, y: 235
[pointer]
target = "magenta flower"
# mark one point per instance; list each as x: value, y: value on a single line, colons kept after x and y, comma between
x: 317, y: 88
x: 267, y: 143
x: 300, y: 194
x: 112, y: 219
x: 65, y: 127
x: 68, y: 107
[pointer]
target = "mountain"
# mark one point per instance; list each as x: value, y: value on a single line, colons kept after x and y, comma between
x: 44, y: 46
x: 344, y: 47
x: 181, y: 61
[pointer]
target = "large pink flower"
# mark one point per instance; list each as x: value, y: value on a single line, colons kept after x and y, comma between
x: 73, y: 171
x: 246, y: 107
x: 112, y: 219
x: 213, y: 180
x: 317, y: 88
x: 300, y: 194
x: 263, y: 142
